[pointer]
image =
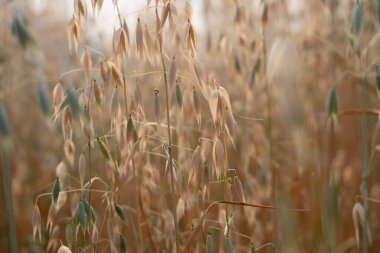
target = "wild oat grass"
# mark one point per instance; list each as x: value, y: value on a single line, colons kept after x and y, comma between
x: 229, y: 126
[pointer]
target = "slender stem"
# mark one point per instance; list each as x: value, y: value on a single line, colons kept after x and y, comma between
x: 8, y: 202
x: 170, y: 152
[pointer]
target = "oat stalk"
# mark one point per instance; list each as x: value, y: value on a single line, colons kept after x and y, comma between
x: 173, y: 197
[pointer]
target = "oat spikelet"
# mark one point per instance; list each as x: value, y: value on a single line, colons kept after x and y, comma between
x: 158, y: 30
x: 86, y: 62
x: 80, y: 9
x: 73, y: 33
x: 104, y: 71
x: 36, y: 222
x: 165, y: 13
x: 197, y: 107
x: 218, y: 155
x: 191, y: 38
x: 239, y: 189
x: 82, y: 169
x: 97, y: 92
x: 358, y: 215
x: 64, y: 249
x: 172, y: 72
x: 149, y: 44
x: 139, y: 39
x: 70, y: 151
x: 114, y: 104
x: 115, y: 73
x: 180, y: 209
x: 57, y: 95
x: 124, y: 38
x: 188, y: 11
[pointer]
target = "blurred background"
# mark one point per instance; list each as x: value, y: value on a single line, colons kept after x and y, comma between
x: 303, y: 90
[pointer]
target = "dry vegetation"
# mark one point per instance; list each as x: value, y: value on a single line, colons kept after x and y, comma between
x: 258, y: 134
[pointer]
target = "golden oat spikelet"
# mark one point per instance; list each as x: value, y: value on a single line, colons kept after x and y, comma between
x: 80, y: 9
x: 73, y: 33
x: 86, y: 62
x: 139, y: 40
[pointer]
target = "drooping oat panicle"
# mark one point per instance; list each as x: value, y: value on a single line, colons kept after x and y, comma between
x: 69, y: 149
x: 82, y: 169
x: 97, y: 92
x: 157, y: 106
x: 172, y: 72
x: 73, y: 33
x: 80, y: 8
x: 86, y: 62
x: 139, y: 39
x: 36, y: 222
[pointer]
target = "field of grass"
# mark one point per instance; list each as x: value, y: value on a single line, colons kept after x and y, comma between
x: 235, y: 126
